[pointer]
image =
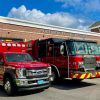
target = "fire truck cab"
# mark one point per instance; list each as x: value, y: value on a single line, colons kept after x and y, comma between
x: 75, y: 59
x: 18, y: 71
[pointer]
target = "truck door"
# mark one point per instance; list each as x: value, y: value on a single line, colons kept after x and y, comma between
x: 1, y: 69
x: 62, y: 59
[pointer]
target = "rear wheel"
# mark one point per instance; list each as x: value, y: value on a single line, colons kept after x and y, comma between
x: 9, y: 86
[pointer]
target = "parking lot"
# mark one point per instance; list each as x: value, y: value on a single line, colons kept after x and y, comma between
x: 64, y: 90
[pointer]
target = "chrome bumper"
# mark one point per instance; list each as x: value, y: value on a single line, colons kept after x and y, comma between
x: 35, y: 87
x: 31, y: 82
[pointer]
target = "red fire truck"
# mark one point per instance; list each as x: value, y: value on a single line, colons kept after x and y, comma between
x: 75, y: 59
x: 18, y: 71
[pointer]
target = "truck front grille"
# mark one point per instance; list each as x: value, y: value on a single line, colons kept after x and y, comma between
x: 90, y: 62
x: 37, y: 73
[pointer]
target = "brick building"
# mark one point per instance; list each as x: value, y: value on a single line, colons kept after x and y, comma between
x: 95, y: 27
x: 24, y: 30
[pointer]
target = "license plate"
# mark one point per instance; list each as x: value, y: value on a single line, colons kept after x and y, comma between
x: 40, y: 82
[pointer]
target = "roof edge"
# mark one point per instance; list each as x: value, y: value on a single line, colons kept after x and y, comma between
x: 44, y: 26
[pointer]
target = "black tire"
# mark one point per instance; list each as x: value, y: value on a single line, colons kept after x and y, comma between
x: 54, y: 76
x: 9, y: 86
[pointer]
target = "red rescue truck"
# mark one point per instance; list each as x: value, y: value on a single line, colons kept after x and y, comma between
x: 18, y: 71
x: 75, y: 59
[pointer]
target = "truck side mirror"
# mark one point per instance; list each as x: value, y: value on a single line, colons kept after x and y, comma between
x: 62, y: 49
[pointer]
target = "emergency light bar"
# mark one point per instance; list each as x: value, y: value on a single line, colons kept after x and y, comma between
x: 12, y: 46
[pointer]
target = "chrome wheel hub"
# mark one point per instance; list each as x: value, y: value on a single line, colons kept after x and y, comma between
x: 7, y: 87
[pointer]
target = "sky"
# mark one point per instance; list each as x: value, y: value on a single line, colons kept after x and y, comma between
x: 77, y: 14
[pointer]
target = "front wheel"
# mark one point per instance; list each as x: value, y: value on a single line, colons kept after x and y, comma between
x: 9, y: 86
x: 54, y: 77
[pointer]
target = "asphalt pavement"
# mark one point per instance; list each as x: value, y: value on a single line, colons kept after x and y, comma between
x: 63, y: 90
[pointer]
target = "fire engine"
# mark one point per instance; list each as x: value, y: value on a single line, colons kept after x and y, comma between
x: 69, y: 58
x: 18, y: 71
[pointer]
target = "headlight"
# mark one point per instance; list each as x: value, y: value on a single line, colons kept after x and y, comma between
x: 98, y: 63
x: 21, y: 72
x: 81, y: 67
x: 49, y: 70
x: 80, y: 64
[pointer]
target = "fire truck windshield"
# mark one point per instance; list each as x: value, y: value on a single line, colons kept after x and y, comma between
x: 93, y: 48
x: 11, y: 57
x: 80, y: 48
x: 85, y: 48
x: 99, y: 47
